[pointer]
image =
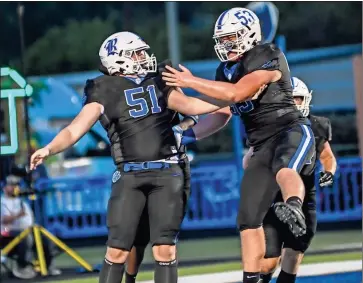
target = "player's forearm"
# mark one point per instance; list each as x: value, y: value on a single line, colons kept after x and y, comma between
x: 62, y: 141
x: 329, y: 164
x: 196, y: 106
x: 211, y: 124
x: 224, y: 91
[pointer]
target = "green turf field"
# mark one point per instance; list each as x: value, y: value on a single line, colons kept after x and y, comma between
x: 228, y: 267
x: 226, y: 247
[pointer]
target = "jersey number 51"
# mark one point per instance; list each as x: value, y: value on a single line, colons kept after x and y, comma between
x: 141, y: 103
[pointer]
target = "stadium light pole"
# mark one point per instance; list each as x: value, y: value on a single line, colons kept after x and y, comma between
x: 173, y: 31
x: 20, y: 11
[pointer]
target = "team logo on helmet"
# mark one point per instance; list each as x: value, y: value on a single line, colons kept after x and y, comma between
x: 110, y: 47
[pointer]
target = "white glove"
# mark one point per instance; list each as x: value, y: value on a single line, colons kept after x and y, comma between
x: 178, y: 134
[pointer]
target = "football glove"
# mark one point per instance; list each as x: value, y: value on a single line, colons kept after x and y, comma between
x: 183, y: 137
x: 326, y: 179
x: 178, y: 134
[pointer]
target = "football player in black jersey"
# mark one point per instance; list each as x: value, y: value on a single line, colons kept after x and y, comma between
x: 255, y: 79
x: 210, y: 124
x: 136, y: 108
x: 276, y: 233
x: 142, y: 238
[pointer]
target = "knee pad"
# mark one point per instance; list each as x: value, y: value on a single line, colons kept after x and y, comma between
x: 306, y: 241
x: 247, y: 221
x: 302, y: 243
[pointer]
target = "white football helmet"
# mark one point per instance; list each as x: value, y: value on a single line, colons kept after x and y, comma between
x: 299, y: 89
x: 119, y: 53
x: 244, y: 25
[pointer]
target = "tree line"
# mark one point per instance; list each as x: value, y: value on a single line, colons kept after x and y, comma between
x: 65, y: 36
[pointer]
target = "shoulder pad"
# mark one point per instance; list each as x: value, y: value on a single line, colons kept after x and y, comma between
x: 161, y: 66
x: 262, y: 57
x: 95, y: 88
x: 158, y: 78
x: 88, y: 93
x: 325, y: 125
x: 322, y: 121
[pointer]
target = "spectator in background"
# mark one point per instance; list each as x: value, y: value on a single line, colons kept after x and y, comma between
x: 16, y: 216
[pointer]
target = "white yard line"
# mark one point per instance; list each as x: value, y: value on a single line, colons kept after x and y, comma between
x: 305, y: 270
x: 344, y: 246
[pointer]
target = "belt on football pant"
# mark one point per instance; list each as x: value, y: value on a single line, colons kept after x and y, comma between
x: 135, y: 166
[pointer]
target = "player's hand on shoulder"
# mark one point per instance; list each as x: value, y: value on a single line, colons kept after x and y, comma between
x: 326, y: 179
x: 38, y: 157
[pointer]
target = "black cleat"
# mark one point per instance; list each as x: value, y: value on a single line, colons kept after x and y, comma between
x: 292, y: 216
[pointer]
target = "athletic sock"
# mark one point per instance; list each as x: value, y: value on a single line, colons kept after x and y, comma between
x: 266, y: 278
x: 251, y: 277
x: 111, y: 272
x: 130, y: 278
x: 166, y: 272
x: 285, y: 277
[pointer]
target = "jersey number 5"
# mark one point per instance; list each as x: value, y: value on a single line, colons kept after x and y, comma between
x: 141, y: 103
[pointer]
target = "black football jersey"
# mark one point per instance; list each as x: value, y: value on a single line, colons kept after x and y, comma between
x: 322, y: 131
x: 136, y: 117
x: 274, y: 109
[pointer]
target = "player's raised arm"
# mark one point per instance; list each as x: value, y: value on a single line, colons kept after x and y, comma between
x: 70, y: 134
x: 248, y: 87
x: 187, y: 105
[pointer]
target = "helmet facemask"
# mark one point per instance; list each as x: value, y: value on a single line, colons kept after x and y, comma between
x: 245, y: 39
x: 132, y: 63
x: 304, y: 107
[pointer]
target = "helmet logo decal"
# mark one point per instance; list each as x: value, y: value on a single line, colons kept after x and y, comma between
x: 110, y: 47
x: 221, y: 19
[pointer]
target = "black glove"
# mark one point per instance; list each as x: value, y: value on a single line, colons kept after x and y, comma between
x: 326, y: 179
